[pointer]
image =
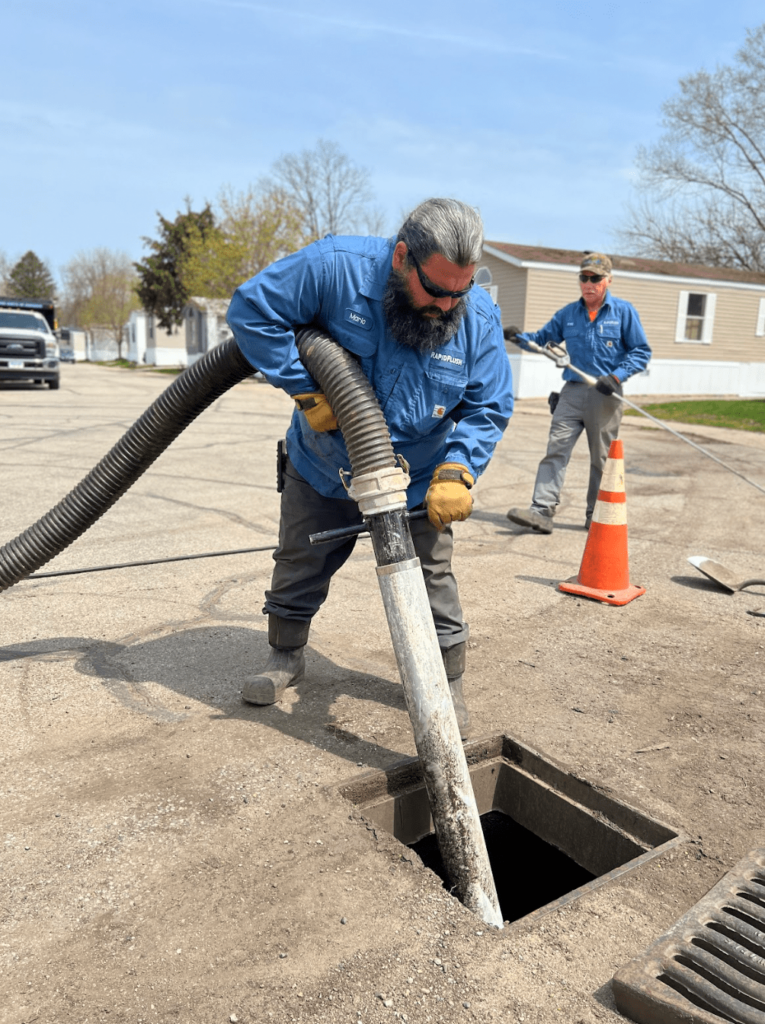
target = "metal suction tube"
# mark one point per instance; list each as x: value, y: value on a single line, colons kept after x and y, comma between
x: 379, y: 483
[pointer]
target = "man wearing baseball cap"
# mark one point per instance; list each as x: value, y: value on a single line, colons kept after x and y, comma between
x: 604, y: 337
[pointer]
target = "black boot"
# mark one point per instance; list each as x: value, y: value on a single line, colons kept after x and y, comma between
x: 286, y: 662
x: 454, y: 663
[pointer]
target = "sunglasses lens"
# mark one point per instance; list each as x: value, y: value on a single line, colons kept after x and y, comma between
x: 433, y: 290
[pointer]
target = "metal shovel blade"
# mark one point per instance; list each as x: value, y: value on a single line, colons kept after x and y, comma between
x: 719, y: 574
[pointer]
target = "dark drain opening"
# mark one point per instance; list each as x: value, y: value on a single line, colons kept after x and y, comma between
x: 528, y: 872
x: 551, y: 835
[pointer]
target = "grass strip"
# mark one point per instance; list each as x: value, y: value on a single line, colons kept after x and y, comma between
x: 735, y: 413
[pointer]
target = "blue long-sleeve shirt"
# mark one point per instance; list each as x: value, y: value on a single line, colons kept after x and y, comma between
x: 451, y: 405
x: 614, y: 342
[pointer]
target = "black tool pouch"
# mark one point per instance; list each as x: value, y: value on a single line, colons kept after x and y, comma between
x: 281, y: 464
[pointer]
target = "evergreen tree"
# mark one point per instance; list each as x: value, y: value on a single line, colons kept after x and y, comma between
x: 30, y: 278
x: 161, y: 287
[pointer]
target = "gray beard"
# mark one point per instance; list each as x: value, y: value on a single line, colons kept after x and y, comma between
x: 409, y: 326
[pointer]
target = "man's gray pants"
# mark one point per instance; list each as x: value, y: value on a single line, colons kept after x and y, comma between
x: 579, y: 408
x: 303, y: 571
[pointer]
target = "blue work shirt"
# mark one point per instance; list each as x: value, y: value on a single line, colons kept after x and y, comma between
x: 614, y: 342
x: 450, y: 405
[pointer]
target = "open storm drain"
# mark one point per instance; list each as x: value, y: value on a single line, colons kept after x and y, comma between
x: 546, y: 872
x: 710, y: 966
x: 551, y: 837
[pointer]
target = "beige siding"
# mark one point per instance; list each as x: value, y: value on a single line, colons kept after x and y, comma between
x: 511, y: 294
x: 735, y: 320
x: 733, y: 335
x: 656, y: 303
x: 548, y: 291
x: 169, y: 339
x: 530, y: 303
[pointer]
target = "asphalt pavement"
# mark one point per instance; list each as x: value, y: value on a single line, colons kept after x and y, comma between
x: 108, y: 676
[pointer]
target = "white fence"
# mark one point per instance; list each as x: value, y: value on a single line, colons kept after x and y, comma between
x: 535, y: 376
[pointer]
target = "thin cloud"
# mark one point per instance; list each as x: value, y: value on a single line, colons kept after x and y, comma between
x: 484, y: 44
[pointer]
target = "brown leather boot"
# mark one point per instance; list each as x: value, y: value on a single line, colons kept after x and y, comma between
x: 454, y: 663
x: 286, y: 662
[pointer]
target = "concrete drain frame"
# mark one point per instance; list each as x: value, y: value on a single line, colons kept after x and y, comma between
x: 598, y: 832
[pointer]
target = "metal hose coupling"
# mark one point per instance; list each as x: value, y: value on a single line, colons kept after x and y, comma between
x: 379, y: 478
x: 380, y: 490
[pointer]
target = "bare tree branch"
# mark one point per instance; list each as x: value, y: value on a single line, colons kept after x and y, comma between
x: 702, y: 185
x: 99, y: 291
x: 332, y: 194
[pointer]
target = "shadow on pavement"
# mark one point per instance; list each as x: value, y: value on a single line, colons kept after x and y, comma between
x: 208, y: 664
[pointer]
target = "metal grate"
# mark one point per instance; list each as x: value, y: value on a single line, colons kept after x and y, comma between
x: 710, y: 966
x: 19, y: 348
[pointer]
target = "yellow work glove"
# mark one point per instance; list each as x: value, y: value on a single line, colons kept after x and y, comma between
x: 317, y: 411
x: 448, y: 498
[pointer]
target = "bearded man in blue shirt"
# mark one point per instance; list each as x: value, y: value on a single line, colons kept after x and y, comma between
x: 604, y: 338
x: 430, y: 344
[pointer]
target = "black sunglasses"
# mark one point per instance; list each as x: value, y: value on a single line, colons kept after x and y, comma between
x: 433, y: 289
x: 594, y: 278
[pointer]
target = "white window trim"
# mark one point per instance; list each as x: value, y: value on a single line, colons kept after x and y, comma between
x: 707, y: 327
x: 709, y: 319
x: 760, y: 329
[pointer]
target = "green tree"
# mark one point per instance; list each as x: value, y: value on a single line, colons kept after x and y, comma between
x: 161, y: 286
x: 100, y: 291
x: 702, y: 186
x: 30, y: 278
x: 253, y: 229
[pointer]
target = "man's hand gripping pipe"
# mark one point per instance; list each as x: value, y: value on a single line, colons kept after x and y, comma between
x: 561, y: 358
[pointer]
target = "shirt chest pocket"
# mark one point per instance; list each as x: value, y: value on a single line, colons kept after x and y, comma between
x: 609, y: 336
x: 438, y: 393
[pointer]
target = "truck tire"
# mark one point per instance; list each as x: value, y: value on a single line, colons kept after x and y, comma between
x: 54, y: 384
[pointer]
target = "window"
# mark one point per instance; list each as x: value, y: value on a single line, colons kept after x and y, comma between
x: 695, y: 317
x: 483, y: 279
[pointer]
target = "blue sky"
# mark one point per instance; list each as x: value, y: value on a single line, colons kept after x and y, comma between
x: 110, y: 112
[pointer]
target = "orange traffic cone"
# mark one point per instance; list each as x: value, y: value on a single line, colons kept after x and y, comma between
x: 604, y: 573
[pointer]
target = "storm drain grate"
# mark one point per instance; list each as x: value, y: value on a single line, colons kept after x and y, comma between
x: 710, y: 966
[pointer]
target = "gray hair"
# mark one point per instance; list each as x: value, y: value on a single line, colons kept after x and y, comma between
x: 445, y: 226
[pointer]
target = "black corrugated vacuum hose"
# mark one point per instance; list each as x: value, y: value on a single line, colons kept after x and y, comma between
x: 348, y: 390
x: 365, y: 433
x: 189, y: 395
x: 353, y: 401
